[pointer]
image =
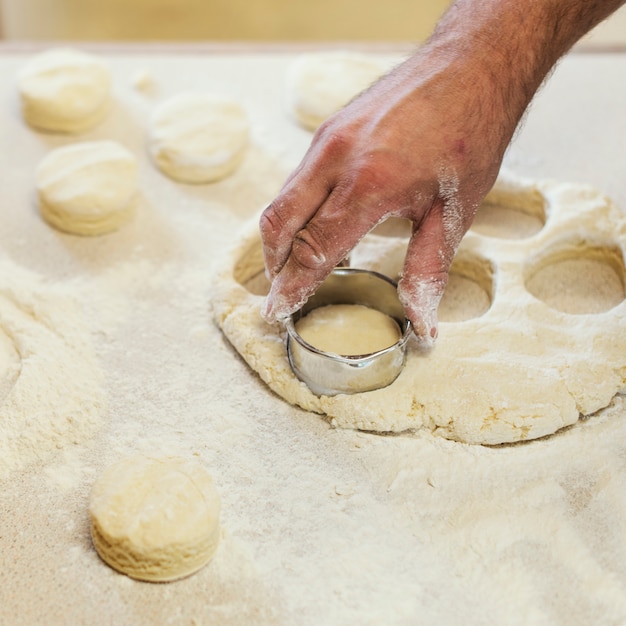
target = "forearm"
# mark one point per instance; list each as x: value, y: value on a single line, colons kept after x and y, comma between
x: 521, y: 28
x: 516, y: 41
x: 483, y: 64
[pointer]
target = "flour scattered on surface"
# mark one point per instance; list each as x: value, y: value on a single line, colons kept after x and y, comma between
x: 50, y: 389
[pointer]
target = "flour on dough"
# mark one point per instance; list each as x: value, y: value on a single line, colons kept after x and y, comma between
x: 198, y: 138
x: 87, y: 188
x: 155, y: 519
x: 64, y: 90
x: 319, y: 84
x: 518, y: 370
x: 50, y: 382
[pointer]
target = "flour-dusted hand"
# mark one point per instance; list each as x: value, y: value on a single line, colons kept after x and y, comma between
x: 425, y: 143
x: 414, y: 147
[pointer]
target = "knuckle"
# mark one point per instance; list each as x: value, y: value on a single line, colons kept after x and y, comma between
x: 309, y: 249
x: 372, y: 179
x: 361, y: 199
x: 336, y: 141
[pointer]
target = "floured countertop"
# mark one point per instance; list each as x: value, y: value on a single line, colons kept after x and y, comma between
x: 319, y: 525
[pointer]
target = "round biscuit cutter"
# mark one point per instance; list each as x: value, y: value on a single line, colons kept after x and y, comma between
x: 329, y: 374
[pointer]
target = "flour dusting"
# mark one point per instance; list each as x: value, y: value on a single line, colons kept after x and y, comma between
x: 51, y: 397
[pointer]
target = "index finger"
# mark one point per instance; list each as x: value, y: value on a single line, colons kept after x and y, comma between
x: 296, y: 204
x: 324, y: 241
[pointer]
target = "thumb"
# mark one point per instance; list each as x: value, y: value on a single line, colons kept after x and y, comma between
x: 420, y: 298
x: 425, y: 276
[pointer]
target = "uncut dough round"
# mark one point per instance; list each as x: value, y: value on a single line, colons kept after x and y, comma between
x: 155, y: 519
x: 348, y: 329
x: 521, y: 370
x: 320, y: 84
x: 198, y: 138
x: 64, y: 90
x: 87, y: 188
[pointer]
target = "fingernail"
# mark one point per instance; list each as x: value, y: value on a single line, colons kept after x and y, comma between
x: 429, y: 331
x: 421, y: 302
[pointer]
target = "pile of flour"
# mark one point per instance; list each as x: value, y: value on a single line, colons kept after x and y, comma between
x: 50, y: 382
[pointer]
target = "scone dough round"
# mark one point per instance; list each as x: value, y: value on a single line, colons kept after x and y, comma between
x: 198, y: 138
x: 320, y: 84
x: 87, y: 188
x: 348, y: 329
x: 155, y: 519
x: 64, y: 90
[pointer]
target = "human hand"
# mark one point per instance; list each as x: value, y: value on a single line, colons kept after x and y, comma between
x: 424, y: 143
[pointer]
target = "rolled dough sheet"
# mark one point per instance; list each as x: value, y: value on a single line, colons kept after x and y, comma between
x: 520, y: 369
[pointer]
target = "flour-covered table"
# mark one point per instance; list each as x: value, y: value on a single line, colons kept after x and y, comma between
x: 111, y: 344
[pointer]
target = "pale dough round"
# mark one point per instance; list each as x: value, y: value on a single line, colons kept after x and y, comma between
x: 519, y: 370
x: 155, y: 519
x: 64, y: 90
x: 319, y: 84
x: 198, y: 138
x: 87, y: 188
x: 348, y: 329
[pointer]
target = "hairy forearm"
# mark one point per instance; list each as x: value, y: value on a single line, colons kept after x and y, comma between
x: 518, y: 41
x: 546, y: 28
x: 488, y: 57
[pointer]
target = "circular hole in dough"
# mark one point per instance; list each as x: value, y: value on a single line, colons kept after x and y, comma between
x: 320, y: 84
x: 577, y: 278
x: 87, y: 188
x: 198, y: 138
x: 249, y: 270
x: 155, y: 519
x: 470, y: 288
x: 64, y: 90
x: 258, y: 285
x: 511, y: 213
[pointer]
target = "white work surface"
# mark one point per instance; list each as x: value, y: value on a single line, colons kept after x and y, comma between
x: 320, y: 526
